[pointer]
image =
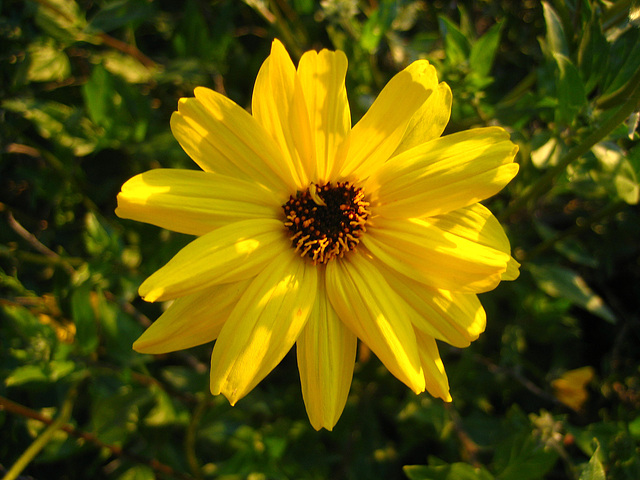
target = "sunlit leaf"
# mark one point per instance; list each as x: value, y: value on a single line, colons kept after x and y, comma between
x: 47, y: 62
x: 556, y: 38
x: 594, y: 469
x: 563, y: 282
x: 483, y: 51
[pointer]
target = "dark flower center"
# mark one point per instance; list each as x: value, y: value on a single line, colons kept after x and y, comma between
x: 326, y: 221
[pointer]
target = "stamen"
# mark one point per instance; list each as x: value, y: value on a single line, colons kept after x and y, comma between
x: 326, y: 221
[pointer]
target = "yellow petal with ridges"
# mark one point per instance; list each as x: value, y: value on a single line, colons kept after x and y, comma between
x: 228, y: 254
x: 419, y: 249
x: 322, y: 77
x: 222, y: 137
x: 278, y: 105
x: 478, y: 224
x: 193, y: 202
x: 264, y: 325
x: 444, y: 174
x: 429, y: 121
x: 513, y: 270
x: 435, y: 377
x: 366, y: 304
x: 377, y: 135
x: 453, y: 317
x: 326, y: 352
x: 191, y: 320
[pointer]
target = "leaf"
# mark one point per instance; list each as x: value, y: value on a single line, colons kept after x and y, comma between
x: 484, y: 49
x: 47, y: 62
x: 454, y: 471
x: 570, y: 90
x: 377, y: 25
x: 520, y: 453
x: 556, y: 39
x: 26, y: 374
x: 64, y: 125
x: 84, y: 317
x: 594, y: 469
x: 456, y: 46
x: 139, y: 472
x: 593, y: 53
x: 62, y: 19
x: 562, y: 282
x: 48, y: 372
x: 545, y: 155
x: 118, y: 13
x: 618, y: 174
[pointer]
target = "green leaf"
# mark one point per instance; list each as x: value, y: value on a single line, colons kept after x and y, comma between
x: 26, y: 374
x: 115, y: 106
x: 562, y: 282
x: 377, y: 25
x: 84, y: 317
x: 617, y: 174
x: 65, y: 126
x: 48, y: 372
x: 47, y: 62
x: 118, y: 13
x: 594, y: 469
x: 456, y: 46
x: 556, y: 38
x: 570, y: 90
x: 62, y: 19
x: 593, y: 54
x: 139, y: 472
x: 520, y: 453
x: 454, y: 471
x: 484, y: 50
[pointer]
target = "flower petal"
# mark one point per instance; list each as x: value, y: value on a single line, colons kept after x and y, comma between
x: 429, y: 121
x: 279, y: 106
x: 193, y: 202
x: 456, y: 318
x: 322, y: 78
x: 376, y: 136
x: 366, y: 304
x: 222, y: 137
x: 435, y: 377
x: 420, y: 249
x: 477, y: 223
x: 326, y: 351
x: 264, y: 325
x: 191, y: 320
x: 444, y: 174
x: 229, y: 254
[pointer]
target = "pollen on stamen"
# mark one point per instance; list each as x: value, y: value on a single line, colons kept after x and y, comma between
x: 326, y: 221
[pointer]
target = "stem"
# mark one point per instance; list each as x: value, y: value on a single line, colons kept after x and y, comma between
x: 158, y: 467
x: 545, y: 182
x: 29, y: 454
x: 190, y: 440
x: 574, y: 230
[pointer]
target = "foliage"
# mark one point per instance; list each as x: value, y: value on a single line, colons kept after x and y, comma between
x: 86, y: 92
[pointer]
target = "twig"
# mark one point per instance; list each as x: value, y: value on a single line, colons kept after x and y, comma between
x: 45, y: 437
x: 525, y: 382
x: 37, y: 244
x: 157, y: 466
x: 470, y: 448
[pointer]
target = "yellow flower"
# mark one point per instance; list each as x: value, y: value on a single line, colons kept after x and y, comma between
x: 570, y: 388
x: 313, y: 233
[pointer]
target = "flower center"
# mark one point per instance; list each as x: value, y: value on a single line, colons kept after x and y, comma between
x: 326, y: 221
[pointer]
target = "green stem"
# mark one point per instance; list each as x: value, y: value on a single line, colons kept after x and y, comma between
x: 29, y: 454
x: 190, y: 440
x: 575, y: 230
x: 545, y: 182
